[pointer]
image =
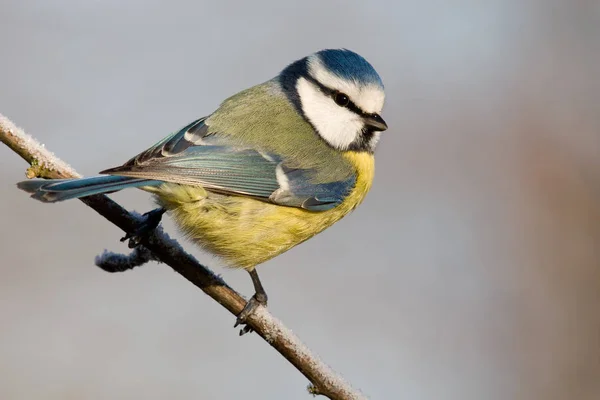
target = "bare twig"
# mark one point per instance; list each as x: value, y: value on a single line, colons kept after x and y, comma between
x: 324, y: 381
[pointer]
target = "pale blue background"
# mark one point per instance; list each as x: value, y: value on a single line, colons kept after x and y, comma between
x: 472, y: 271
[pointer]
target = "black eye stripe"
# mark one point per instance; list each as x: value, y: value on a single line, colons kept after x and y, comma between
x: 354, y: 108
x: 332, y: 93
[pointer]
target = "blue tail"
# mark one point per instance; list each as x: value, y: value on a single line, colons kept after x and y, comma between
x: 53, y: 190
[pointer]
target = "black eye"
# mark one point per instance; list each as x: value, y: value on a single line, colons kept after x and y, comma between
x: 341, y: 99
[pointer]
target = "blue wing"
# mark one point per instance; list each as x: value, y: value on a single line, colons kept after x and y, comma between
x: 193, y: 156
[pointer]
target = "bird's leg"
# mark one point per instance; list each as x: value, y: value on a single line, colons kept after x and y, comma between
x: 259, y: 292
x: 145, y: 228
x: 259, y: 299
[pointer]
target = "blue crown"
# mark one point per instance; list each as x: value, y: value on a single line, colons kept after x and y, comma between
x: 348, y: 65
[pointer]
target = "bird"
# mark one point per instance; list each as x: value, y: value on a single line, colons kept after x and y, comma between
x: 271, y: 167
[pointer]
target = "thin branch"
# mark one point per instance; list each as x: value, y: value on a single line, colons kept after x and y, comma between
x: 324, y: 381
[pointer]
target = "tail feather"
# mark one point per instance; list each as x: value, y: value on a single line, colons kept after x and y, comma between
x: 50, y: 191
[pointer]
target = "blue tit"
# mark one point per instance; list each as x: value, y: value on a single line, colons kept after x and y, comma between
x: 273, y: 166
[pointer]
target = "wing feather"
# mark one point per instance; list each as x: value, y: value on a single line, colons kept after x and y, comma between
x: 193, y: 156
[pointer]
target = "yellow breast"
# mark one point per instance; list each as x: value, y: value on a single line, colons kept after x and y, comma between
x: 245, y: 232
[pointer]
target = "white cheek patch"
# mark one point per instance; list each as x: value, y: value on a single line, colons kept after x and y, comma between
x: 369, y: 98
x: 337, y: 125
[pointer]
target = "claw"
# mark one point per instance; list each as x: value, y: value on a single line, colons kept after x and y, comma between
x: 145, y: 228
x: 259, y: 299
x: 242, y: 319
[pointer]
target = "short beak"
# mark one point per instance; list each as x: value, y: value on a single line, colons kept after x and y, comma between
x: 375, y: 122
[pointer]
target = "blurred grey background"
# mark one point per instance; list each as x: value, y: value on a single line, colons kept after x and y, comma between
x: 472, y: 271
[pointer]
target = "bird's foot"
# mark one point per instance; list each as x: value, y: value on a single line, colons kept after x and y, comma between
x: 258, y: 300
x: 145, y: 228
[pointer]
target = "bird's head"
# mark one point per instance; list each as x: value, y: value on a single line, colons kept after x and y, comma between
x: 341, y: 95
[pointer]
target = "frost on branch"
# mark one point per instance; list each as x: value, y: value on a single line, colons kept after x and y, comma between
x: 44, y: 163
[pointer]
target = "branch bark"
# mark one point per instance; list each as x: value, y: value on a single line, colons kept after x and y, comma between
x: 44, y: 164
